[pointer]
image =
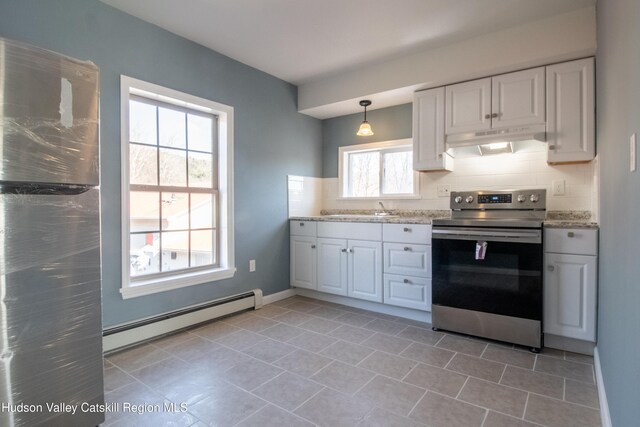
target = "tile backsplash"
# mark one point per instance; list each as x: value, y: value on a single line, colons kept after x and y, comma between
x: 520, y: 170
x: 305, y: 195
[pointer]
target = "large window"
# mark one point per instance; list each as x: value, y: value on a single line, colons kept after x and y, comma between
x: 377, y: 170
x: 176, y: 189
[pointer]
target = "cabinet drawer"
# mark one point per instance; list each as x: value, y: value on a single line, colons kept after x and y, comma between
x: 407, y: 291
x: 407, y: 259
x: 303, y: 228
x: 578, y: 241
x: 407, y: 233
x: 350, y: 230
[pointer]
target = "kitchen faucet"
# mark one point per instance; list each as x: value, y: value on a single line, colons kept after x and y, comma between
x: 384, y: 210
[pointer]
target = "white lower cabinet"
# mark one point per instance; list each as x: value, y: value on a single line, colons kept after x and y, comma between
x: 570, y: 283
x: 350, y: 268
x: 332, y: 260
x: 303, y: 262
x: 407, y: 266
x: 351, y: 259
x: 407, y: 291
x: 365, y: 270
x: 570, y: 296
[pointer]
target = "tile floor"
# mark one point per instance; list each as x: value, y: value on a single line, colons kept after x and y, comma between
x: 303, y: 362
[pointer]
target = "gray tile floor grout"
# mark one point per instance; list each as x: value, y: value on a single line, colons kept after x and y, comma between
x: 377, y: 325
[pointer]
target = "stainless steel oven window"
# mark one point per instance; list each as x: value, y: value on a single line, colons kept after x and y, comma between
x: 173, y: 190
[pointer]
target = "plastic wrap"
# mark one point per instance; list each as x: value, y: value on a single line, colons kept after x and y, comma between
x: 50, y: 278
x: 48, y: 116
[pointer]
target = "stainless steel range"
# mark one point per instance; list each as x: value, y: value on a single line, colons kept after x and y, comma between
x: 487, y: 266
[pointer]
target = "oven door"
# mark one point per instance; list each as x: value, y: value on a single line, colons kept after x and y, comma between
x: 507, y: 280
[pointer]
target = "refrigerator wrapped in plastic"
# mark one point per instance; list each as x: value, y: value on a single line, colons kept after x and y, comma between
x: 50, y: 276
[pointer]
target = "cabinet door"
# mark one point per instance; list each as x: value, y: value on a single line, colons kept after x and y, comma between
x: 468, y: 106
x: 365, y: 270
x: 518, y: 98
x: 570, y: 296
x: 332, y: 266
x: 303, y: 262
x: 570, y: 111
x: 407, y: 291
x: 428, y: 131
x: 407, y: 259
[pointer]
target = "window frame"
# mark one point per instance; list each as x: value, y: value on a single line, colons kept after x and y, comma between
x: 225, y: 268
x: 344, y: 173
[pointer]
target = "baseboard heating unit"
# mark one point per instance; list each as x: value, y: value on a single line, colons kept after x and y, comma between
x: 122, y: 336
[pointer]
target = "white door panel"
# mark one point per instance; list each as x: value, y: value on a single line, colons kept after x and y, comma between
x: 332, y: 266
x: 365, y: 270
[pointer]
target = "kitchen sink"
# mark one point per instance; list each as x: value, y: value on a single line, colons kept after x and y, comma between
x: 364, y: 216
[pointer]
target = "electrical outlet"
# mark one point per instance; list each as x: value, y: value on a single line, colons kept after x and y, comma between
x: 632, y: 153
x: 252, y: 265
x: 559, y: 187
x: 444, y: 190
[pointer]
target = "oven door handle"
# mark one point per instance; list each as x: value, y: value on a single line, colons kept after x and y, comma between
x: 495, y: 235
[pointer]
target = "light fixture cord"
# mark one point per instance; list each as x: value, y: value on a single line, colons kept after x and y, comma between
x: 365, y: 113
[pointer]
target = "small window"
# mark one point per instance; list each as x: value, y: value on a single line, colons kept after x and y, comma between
x: 176, y: 183
x: 378, y: 170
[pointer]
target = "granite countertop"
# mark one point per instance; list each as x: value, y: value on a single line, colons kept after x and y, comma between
x: 404, y: 216
x: 570, y: 219
x: 555, y: 219
x: 382, y: 219
x: 571, y: 224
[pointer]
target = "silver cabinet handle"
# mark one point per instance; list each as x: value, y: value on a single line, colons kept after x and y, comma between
x: 302, y: 224
x: 494, y: 115
x: 350, y: 250
x: 406, y: 229
x: 407, y: 248
x: 313, y: 246
x: 571, y: 234
x: 551, y: 268
x: 343, y: 250
x: 440, y: 155
x: 552, y: 147
x: 407, y: 281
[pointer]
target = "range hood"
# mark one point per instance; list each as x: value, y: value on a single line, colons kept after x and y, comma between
x: 513, y: 134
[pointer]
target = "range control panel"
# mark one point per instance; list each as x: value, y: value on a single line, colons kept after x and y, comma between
x: 535, y: 199
x: 495, y: 198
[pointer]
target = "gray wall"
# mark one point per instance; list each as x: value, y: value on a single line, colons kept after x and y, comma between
x: 387, y: 124
x: 618, y: 106
x: 271, y: 138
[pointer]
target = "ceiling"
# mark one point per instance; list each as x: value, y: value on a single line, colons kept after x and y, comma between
x: 304, y: 40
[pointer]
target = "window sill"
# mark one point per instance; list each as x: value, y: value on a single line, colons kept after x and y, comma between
x: 148, y: 287
x: 407, y: 197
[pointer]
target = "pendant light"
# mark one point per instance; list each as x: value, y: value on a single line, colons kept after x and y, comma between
x: 365, y: 127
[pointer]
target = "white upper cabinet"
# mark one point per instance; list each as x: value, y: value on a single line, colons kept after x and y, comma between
x: 468, y: 106
x: 428, y: 131
x: 518, y: 99
x: 571, y: 111
x: 560, y: 96
x: 508, y: 100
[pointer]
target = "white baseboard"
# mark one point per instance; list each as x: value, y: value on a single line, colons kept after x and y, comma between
x: 407, y: 313
x: 129, y: 336
x: 605, y: 415
x: 269, y: 299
